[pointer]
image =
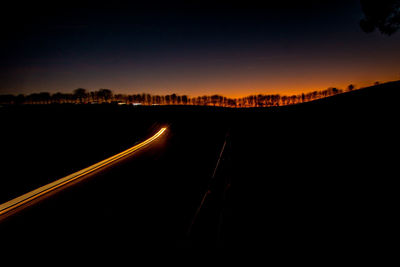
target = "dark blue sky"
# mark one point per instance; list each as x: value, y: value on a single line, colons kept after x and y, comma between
x: 204, y: 48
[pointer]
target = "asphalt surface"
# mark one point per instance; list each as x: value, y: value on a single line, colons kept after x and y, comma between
x: 147, y: 199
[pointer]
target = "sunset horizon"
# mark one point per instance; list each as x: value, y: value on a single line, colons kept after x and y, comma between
x: 226, y: 51
x: 199, y: 124
x: 302, y: 90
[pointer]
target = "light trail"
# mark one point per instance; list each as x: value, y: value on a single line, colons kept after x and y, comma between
x: 16, y: 203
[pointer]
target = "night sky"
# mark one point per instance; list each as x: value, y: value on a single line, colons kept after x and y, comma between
x: 194, y: 49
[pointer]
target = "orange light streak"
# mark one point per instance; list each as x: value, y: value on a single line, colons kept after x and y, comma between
x: 24, y: 199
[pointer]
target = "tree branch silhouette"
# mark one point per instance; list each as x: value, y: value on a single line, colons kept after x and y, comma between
x: 383, y: 15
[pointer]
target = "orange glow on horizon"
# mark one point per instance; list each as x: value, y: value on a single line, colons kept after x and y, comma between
x: 241, y: 92
x: 240, y: 89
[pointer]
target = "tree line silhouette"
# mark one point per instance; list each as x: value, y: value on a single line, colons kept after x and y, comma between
x: 102, y: 96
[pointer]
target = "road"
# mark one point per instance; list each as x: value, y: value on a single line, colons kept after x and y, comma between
x: 308, y: 178
x: 148, y: 199
x: 18, y: 203
x: 279, y: 196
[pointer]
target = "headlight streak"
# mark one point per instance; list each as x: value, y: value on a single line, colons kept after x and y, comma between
x: 17, y: 202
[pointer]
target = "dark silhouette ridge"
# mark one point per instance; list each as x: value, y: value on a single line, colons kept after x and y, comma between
x: 382, y: 96
x: 104, y: 96
x: 315, y: 175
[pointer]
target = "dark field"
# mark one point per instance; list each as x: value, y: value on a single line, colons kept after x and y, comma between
x: 318, y: 175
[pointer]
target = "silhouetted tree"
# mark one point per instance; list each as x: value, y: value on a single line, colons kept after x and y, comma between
x: 167, y: 99
x: 205, y: 100
x: 185, y: 99
x: 58, y: 98
x: 156, y: 100
x: 303, y: 97
x: 284, y: 100
x: 7, y: 99
x: 260, y: 100
x: 44, y: 97
x: 93, y: 96
x: 332, y: 91
x: 147, y: 99
x: 232, y: 102
x: 383, y: 15
x: 293, y: 99
x: 80, y: 94
x: 173, y: 99
x: 314, y: 95
x: 214, y: 99
x: 105, y: 94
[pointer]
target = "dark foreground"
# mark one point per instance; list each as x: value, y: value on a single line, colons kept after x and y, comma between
x: 314, y: 176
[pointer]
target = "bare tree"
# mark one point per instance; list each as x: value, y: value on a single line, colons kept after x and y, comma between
x: 80, y: 94
x: 383, y: 15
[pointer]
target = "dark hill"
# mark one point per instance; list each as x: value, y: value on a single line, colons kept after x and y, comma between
x: 384, y: 96
x: 313, y: 175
